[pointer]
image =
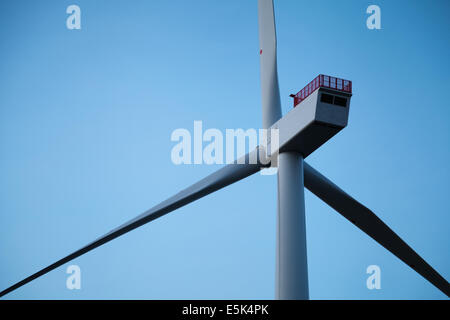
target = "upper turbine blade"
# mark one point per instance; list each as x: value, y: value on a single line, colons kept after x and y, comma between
x: 271, y: 105
x: 215, y: 181
x: 368, y: 222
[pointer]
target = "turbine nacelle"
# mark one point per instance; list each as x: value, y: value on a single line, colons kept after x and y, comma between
x: 321, y: 112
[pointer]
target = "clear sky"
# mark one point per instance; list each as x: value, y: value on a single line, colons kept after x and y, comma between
x: 85, y: 123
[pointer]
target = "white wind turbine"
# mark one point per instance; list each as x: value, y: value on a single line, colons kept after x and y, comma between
x: 323, y: 113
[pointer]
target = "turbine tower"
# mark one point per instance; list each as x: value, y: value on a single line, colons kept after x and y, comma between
x: 291, y: 280
x: 320, y: 111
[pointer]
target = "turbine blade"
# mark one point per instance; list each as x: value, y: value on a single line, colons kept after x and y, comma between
x: 368, y: 222
x: 215, y: 181
x: 271, y: 104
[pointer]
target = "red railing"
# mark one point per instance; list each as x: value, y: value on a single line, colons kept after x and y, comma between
x: 322, y: 81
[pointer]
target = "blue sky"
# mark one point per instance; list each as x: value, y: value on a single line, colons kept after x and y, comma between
x: 85, y: 123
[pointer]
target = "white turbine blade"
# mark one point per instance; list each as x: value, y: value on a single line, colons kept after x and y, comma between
x: 271, y: 105
x: 368, y: 222
x: 215, y: 181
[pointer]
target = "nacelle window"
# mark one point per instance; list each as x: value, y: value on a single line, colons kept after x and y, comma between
x: 327, y: 98
x: 331, y: 99
x: 340, y: 101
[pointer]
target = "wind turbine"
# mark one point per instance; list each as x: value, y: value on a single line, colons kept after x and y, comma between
x: 302, y: 131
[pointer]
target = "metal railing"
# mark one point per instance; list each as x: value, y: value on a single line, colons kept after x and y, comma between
x: 325, y: 82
